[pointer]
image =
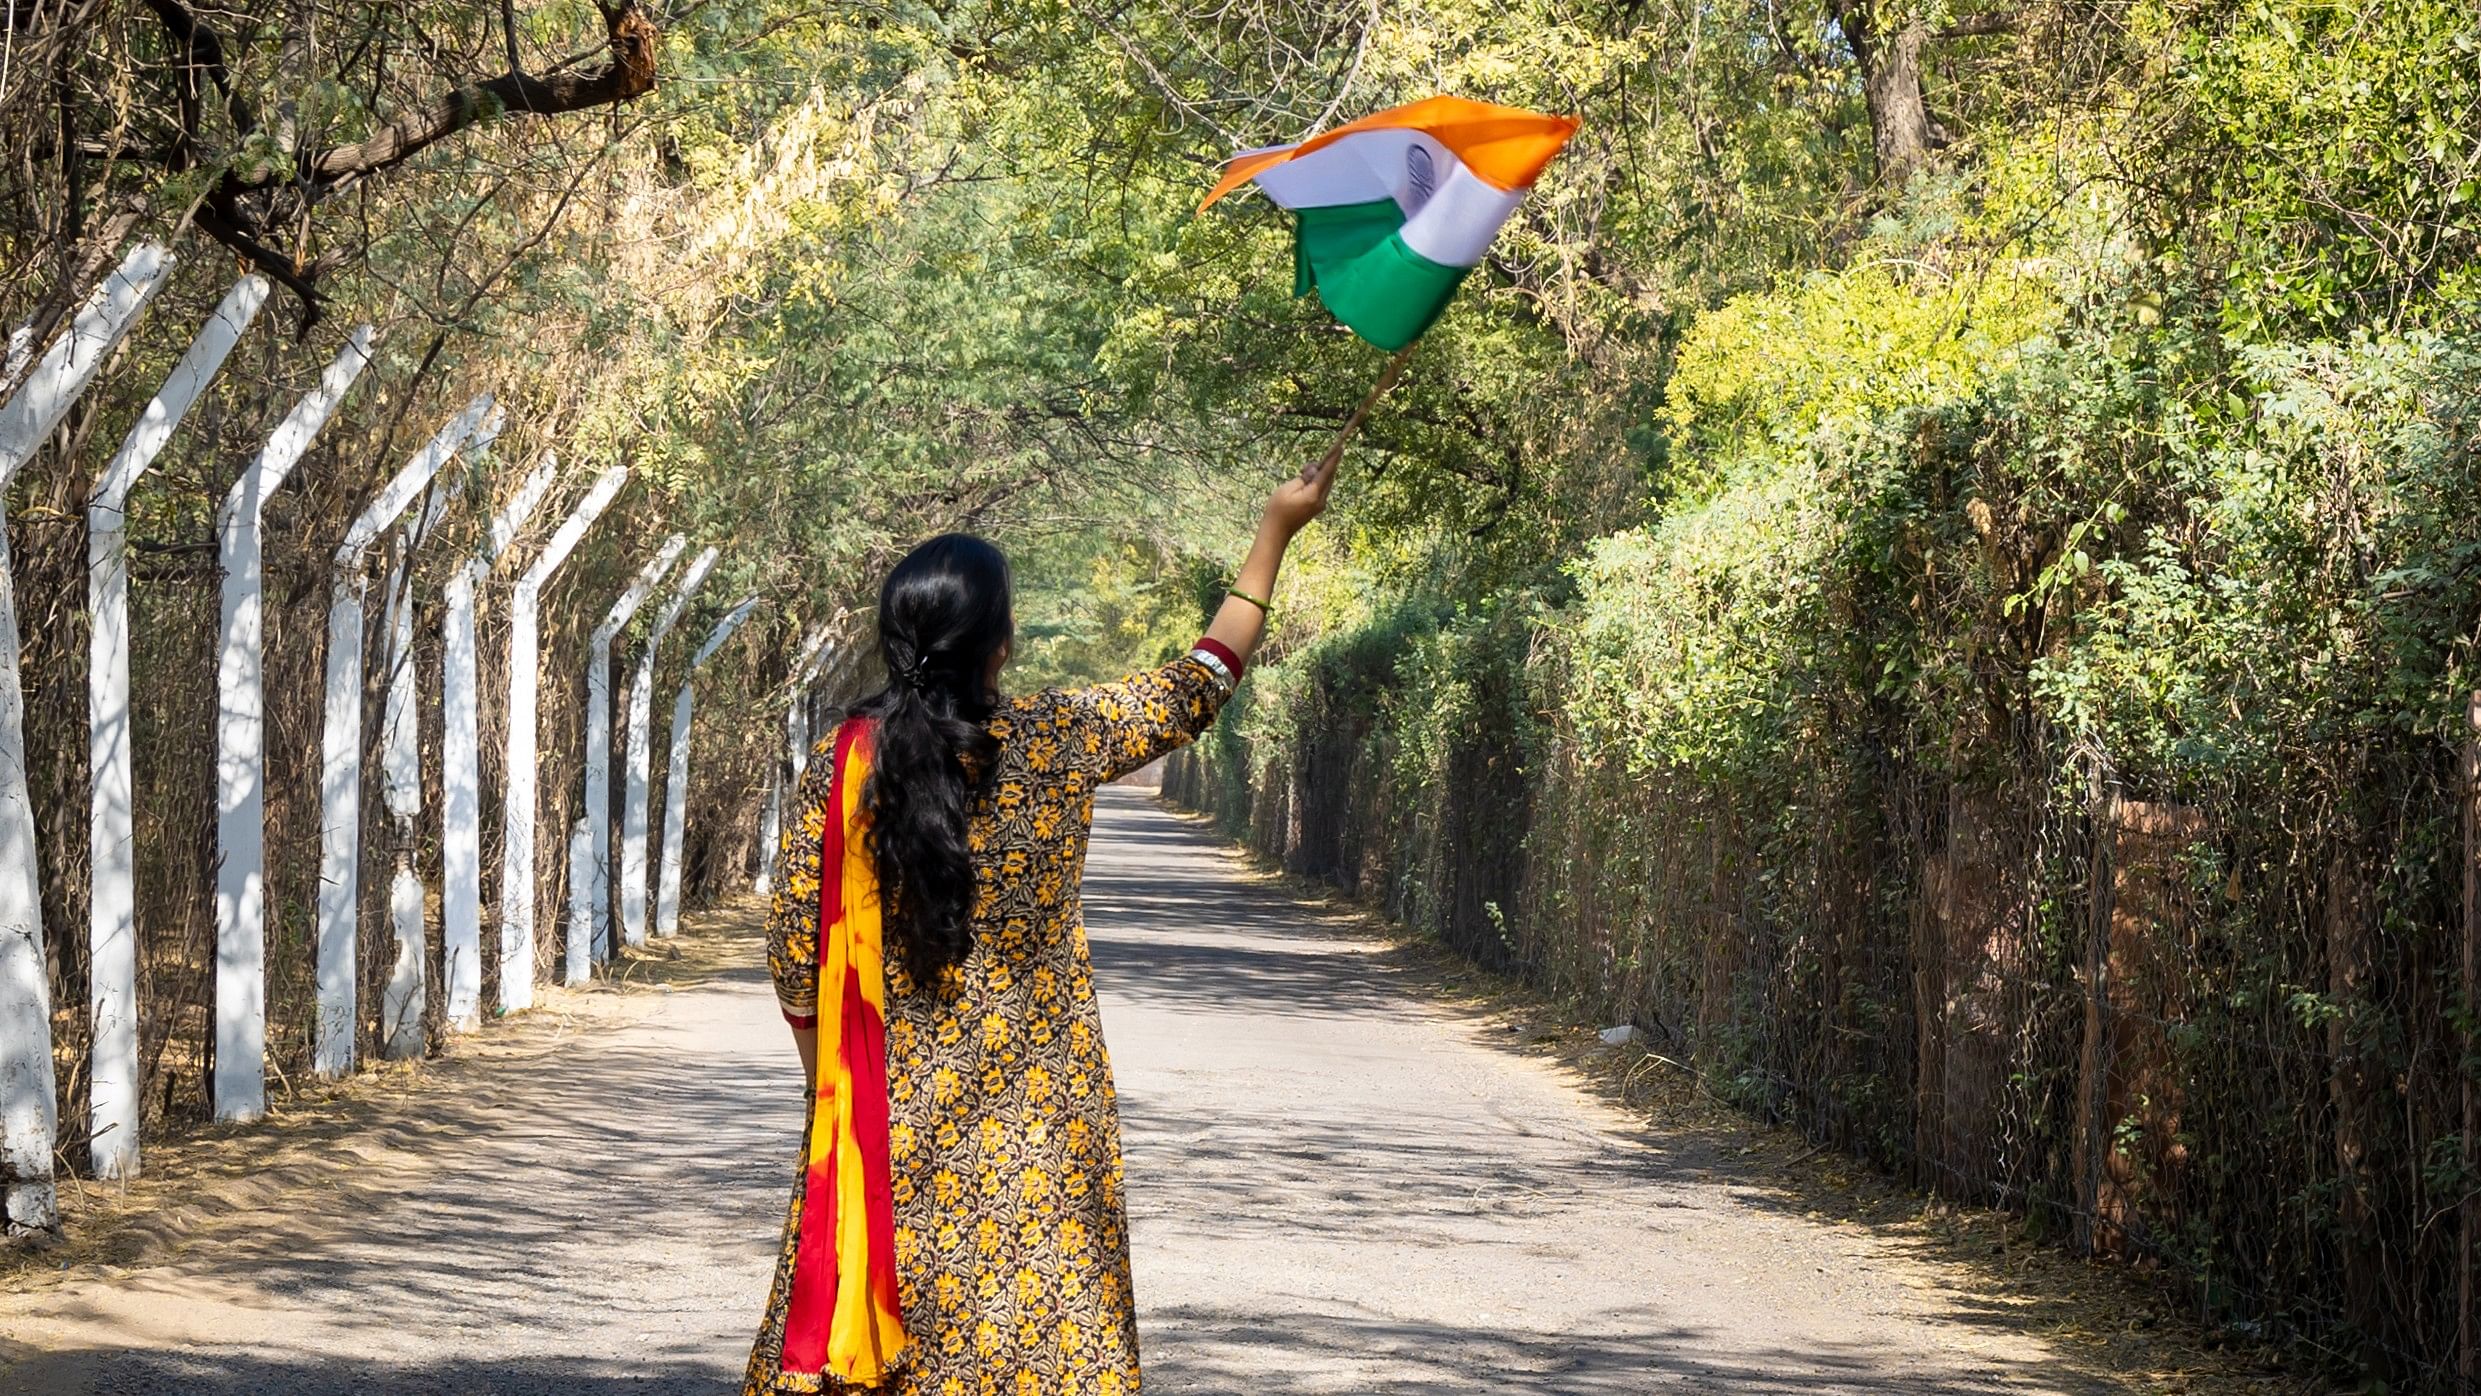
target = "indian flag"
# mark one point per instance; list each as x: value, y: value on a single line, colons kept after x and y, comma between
x: 1392, y: 210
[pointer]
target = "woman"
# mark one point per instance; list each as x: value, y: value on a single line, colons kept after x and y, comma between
x: 957, y: 1225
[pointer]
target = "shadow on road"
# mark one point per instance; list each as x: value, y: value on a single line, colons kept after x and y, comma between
x: 1338, y: 1188
x: 1210, y: 1352
x: 571, y: 1206
x: 619, y: 1147
x: 1392, y: 1206
x: 217, y: 1374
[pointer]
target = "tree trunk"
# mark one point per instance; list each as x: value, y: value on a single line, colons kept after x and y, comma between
x: 1888, y: 50
x: 517, y: 889
x: 2091, y: 1145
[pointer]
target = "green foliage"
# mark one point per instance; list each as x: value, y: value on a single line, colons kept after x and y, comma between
x: 2316, y: 160
x: 1786, y: 610
x: 1091, y: 607
x: 2097, y: 520
x: 2315, y: 588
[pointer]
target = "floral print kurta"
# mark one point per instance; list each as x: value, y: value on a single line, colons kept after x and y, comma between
x: 1004, y: 1132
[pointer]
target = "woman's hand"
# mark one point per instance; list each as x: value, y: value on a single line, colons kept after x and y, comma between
x: 1301, y: 497
x: 1240, y: 624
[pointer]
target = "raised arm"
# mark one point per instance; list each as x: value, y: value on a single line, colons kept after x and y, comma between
x: 1240, y: 623
x: 1133, y: 721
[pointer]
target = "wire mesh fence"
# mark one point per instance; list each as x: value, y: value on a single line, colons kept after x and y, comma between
x: 174, y: 700
x: 2222, y: 1030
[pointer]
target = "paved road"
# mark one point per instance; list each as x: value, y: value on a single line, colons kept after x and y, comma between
x: 1336, y: 1187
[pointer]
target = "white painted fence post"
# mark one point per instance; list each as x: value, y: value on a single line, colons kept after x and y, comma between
x: 340, y: 751
x: 517, y: 822
x: 112, y: 899
x: 460, y: 696
x: 240, y: 749
x: 71, y: 363
x: 20, y: 353
x: 798, y: 737
x: 784, y: 781
x: 770, y: 830
x: 633, y: 802
x: 676, y: 773
x: 578, y: 964
x: 599, y: 741
x: 29, y: 1119
x: 407, y: 991
x: 400, y: 793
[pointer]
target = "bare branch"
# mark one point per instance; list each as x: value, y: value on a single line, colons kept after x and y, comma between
x: 1995, y: 22
x: 277, y: 267
x: 631, y: 73
x: 1361, y: 50
x: 202, y: 54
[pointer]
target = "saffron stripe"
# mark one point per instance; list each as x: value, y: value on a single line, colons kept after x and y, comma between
x: 1505, y: 146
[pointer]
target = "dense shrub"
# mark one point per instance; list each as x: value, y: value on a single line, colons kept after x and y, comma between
x: 2032, y: 771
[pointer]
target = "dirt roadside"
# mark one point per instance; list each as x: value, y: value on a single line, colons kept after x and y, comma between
x: 315, y: 1135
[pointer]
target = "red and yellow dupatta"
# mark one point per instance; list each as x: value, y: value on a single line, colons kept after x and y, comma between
x: 843, y: 1318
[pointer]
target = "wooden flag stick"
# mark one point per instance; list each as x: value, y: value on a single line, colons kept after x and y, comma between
x: 1386, y: 380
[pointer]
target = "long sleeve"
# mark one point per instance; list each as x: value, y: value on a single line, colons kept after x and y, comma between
x: 792, y: 921
x: 1117, y: 727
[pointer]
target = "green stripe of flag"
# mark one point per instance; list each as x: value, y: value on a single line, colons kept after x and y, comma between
x: 1355, y: 256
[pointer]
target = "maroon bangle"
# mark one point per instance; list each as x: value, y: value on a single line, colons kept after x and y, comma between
x: 810, y: 1021
x: 1220, y: 651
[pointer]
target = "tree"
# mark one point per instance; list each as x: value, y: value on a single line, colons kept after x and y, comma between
x: 267, y: 177
x: 1888, y: 39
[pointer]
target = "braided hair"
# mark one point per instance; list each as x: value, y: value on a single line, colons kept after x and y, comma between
x: 945, y: 611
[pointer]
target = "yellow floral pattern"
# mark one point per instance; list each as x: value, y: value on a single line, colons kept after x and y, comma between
x: 1004, y: 1131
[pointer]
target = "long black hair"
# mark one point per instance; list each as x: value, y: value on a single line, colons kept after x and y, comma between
x: 944, y: 612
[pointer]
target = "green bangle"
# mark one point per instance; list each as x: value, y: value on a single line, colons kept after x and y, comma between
x: 1239, y: 595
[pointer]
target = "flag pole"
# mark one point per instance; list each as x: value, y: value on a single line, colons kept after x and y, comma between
x: 1386, y: 380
